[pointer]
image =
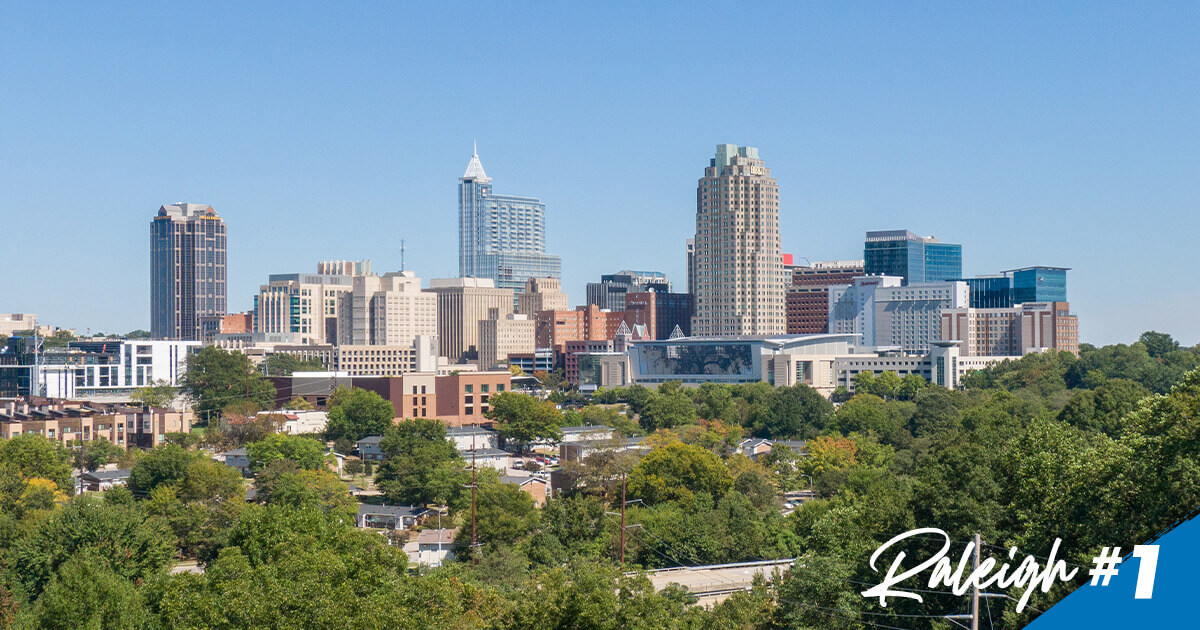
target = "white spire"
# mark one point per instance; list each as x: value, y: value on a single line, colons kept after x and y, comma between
x: 474, y: 168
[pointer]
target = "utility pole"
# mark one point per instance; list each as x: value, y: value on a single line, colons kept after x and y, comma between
x: 623, y: 478
x: 975, y: 588
x: 474, y: 486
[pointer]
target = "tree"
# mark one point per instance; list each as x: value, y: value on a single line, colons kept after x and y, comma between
x: 1158, y: 344
x: 298, y: 404
x: 134, y: 547
x: 158, y: 394
x: 796, y: 412
x: 284, y: 364
x: 677, y: 472
x: 305, y: 452
x: 162, y: 465
x: 93, y: 454
x: 353, y: 467
x: 238, y: 429
x: 523, y: 418
x: 282, y: 482
x: 503, y: 515
x: 664, y: 411
x: 356, y: 413
x: 35, y: 456
x: 87, y: 593
x: 420, y: 466
x: 216, y: 377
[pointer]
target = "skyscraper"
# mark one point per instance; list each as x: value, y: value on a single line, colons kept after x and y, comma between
x: 914, y: 258
x: 500, y: 237
x: 738, y: 263
x: 187, y: 269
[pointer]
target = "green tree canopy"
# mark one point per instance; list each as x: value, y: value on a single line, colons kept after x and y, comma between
x: 667, y: 410
x: 283, y: 364
x: 421, y: 466
x: 357, y: 413
x: 134, y: 547
x: 307, y: 453
x: 35, y: 456
x: 157, y: 394
x: 216, y: 378
x: 524, y: 419
x: 677, y: 472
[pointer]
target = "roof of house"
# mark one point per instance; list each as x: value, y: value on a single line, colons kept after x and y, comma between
x: 586, y: 428
x: 795, y: 445
x: 106, y: 475
x: 389, y: 510
x: 374, y: 439
x: 434, y: 536
x: 520, y: 481
x: 237, y: 452
x: 484, y: 452
x: 468, y: 430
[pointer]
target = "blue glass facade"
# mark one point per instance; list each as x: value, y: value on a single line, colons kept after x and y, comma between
x: 1039, y: 284
x: 990, y: 291
x: 501, y: 237
x: 915, y: 258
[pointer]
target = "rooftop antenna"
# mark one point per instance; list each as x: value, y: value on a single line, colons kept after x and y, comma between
x: 401, y: 254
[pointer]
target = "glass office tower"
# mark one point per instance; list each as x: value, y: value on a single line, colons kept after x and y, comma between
x: 1039, y: 284
x: 915, y: 258
x: 501, y: 237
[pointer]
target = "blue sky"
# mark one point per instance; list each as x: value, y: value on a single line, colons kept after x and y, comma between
x: 1063, y: 135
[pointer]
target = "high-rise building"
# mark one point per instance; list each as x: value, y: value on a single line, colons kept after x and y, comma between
x: 691, y: 266
x: 512, y: 334
x: 541, y: 294
x: 500, y: 237
x: 1013, y: 331
x: 610, y: 292
x: 808, y: 296
x: 1039, y: 284
x: 1019, y: 286
x: 461, y: 304
x: 739, y: 265
x: 387, y: 310
x: 911, y: 257
x: 306, y: 305
x: 885, y: 313
x: 187, y: 270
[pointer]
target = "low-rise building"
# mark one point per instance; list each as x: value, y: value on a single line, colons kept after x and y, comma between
x: 390, y: 517
x: 467, y: 437
x: 431, y: 547
x: 101, y: 480
x: 238, y: 458
x: 536, y: 487
x: 70, y: 422
x: 488, y: 458
x: 370, y: 448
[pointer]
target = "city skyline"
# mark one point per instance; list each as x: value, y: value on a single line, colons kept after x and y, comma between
x: 1029, y: 143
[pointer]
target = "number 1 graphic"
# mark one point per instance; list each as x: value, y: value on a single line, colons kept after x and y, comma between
x: 1148, y: 555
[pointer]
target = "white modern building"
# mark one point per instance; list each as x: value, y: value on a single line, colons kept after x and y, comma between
x: 883, y: 312
x: 110, y: 370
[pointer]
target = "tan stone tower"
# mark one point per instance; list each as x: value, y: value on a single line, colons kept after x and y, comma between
x: 738, y: 263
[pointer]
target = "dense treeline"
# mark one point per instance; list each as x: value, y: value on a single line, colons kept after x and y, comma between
x: 1100, y: 449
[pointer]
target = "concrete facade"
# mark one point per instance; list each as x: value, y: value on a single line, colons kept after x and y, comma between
x: 739, y: 273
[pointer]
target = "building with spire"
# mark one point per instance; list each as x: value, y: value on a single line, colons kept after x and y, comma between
x: 501, y: 237
x: 739, y: 273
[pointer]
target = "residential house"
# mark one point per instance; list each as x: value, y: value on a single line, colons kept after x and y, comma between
x: 101, y: 480
x: 393, y: 517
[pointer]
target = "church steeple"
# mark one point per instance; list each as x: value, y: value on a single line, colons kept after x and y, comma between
x: 475, y: 169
